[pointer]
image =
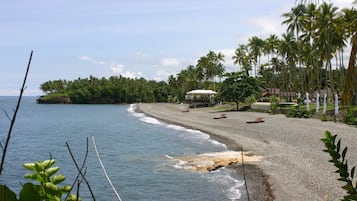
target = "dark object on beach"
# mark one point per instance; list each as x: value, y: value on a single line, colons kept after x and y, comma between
x: 257, y: 120
x: 220, y: 117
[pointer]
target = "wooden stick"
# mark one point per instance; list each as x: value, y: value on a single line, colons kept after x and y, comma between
x: 14, y: 116
x: 104, y: 171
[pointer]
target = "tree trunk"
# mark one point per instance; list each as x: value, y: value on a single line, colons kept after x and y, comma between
x: 349, y: 90
x: 237, y: 108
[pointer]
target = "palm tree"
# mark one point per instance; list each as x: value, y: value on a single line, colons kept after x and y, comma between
x: 271, y: 45
x: 210, y: 66
x: 256, y: 45
x: 242, y: 58
x: 287, y: 50
x: 327, y: 32
x: 295, y: 20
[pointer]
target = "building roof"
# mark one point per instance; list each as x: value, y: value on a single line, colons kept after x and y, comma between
x: 201, y: 92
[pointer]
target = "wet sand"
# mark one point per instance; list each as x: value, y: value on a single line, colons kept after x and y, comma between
x: 293, y: 166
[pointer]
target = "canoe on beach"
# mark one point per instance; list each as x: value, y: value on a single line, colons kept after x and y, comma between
x: 291, y: 150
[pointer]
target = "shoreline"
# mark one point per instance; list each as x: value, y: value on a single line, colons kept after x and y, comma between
x: 258, y: 185
x: 293, y: 167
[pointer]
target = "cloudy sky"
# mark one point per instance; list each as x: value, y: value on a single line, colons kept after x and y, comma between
x: 137, y: 38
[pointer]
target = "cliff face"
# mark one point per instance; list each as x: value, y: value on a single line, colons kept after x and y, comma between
x: 54, y: 100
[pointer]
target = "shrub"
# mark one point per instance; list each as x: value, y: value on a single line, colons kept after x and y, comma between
x: 324, y: 117
x: 299, y: 112
x: 274, y: 103
x: 47, y: 185
x: 350, y: 118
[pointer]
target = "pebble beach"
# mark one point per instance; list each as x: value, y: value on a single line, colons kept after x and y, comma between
x: 293, y: 165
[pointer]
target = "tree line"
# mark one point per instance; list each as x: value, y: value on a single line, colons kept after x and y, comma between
x: 307, y: 58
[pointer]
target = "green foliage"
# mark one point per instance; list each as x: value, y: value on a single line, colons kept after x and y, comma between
x: 46, y: 187
x: 324, y: 117
x: 112, y: 90
x: 299, y: 112
x: 274, y: 103
x: 250, y: 100
x: 237, y: 87
x: 350, y: 118
x: 338, y: 158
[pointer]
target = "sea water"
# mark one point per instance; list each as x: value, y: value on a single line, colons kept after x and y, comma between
x: 137, y: 151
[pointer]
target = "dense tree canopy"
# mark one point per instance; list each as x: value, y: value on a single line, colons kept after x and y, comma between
x: 112, y: 90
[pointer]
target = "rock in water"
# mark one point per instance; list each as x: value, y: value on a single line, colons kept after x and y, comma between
x: 213, y: 161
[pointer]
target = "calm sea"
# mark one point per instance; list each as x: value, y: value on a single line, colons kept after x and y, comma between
x: 136, y: 151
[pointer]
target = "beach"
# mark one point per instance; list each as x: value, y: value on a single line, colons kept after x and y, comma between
x: 293, y: 165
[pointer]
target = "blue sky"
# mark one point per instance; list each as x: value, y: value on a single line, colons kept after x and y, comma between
x: 136, y: 38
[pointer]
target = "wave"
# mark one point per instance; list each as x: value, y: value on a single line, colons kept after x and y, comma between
x: 223, y: 176
x: 141, y: 116
x: 193, y: 134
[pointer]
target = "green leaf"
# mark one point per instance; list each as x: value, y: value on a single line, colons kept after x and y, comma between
x: 29, y: 193
x: 48, y: 163
x: 29, y: 166
x: 66, y: 189
x: 51, y: 187
x: 353, y: 171
x: 52, y: 170
x: 73, y: 198
x: 344, y: 153
x: 6, y: 194
x: 58, y: 179
x: 39, y: 167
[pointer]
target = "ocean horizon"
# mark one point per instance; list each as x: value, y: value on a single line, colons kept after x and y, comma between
x: 137, y: 151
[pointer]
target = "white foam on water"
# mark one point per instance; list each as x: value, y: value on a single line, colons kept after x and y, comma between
x: 196, y: 134
x: 142, y: 116
x: 233, y: 186
x: 178, y: 164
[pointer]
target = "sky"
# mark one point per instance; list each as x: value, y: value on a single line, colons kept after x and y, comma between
x: 153, y: 39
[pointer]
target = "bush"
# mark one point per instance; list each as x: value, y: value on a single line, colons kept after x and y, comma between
x: 46, y: 186
x: 274, y: 103
x: 350, y: 118
x: 299, y: 112
x: 324, y: 117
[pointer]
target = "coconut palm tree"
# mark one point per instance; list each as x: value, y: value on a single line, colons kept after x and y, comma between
x: 271, y: 45
x: 295, y: 20
x: 327, y: 31
x: 256, y: 45
x: 287, y: 50
x: 243, y: 58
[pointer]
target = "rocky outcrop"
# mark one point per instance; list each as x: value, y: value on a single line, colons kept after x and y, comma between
x: 54, y: 100
x: 215, y: 160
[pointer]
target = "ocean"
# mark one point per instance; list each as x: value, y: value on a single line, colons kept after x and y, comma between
x: 137, y: 152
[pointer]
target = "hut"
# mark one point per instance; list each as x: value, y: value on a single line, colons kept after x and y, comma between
x: 200, y: 98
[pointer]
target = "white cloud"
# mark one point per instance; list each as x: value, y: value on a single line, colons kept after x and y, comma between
x: 162, y: 75
x: 170, y: 62
x: 267, y: 25
x: 94, y: 61
x: 116, y: 69
x: 342, y: 3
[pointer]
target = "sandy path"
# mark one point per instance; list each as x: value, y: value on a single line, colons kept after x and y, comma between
x: 291, y: 148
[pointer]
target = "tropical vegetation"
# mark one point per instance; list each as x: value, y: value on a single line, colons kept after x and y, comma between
x: 309, y: 57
